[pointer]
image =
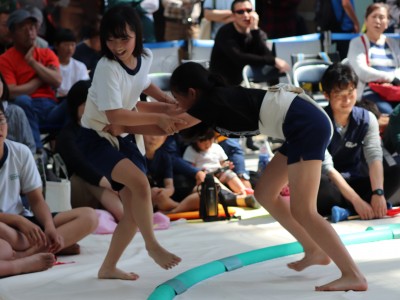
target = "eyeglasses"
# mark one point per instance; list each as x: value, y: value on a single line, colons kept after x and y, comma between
x: 242, y: 11
x: 3, y: 121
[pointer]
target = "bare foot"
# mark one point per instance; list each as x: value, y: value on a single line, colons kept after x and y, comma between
x: 345, y: 283
x: 115, y: 273
x: 164, y: 258
x: 308, y: 260
x: 36, y: 262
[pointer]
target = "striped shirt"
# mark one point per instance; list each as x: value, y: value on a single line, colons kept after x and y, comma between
x: 381, y: 57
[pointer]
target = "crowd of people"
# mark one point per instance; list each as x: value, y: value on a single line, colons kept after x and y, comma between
x: 132, y: 156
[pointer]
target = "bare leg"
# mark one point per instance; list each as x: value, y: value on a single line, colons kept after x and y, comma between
x: 138, y: 211
x: 164, y: 203
x: 112, y: 203
x: 14, y: 237
x: 75, y: 224
x: 190, y: 203
x: 318, y: 238
x: 10, y: 265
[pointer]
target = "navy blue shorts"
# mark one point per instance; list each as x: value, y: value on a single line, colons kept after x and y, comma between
x: 307, y: 132
x: 36, y: 221
x: 103, y: 156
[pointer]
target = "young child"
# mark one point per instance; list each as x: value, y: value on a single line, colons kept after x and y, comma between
x: 71, y: 69
x: 159, y: 173
x: 38, y: 230
x: 208, y: 156
x: 283, y: 112
x: 121, y: 76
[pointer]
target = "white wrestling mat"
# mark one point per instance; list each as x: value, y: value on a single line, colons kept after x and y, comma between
x: 200, y: 243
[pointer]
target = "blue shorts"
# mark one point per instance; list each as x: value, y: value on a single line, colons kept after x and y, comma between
x: 307, y: 132
x: 103, y: 156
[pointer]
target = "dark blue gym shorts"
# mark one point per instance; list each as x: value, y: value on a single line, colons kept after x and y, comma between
x: 104, y: 156
x: 307, y: 131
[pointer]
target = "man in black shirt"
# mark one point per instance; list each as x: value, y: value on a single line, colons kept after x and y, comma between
x: 242, y: 43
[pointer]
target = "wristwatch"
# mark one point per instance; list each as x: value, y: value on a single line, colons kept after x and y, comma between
x: 378, y: 192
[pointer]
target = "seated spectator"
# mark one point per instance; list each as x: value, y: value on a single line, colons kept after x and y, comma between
x: 207, y: 155
x: 354, y: 176
x: 71, y: 69
x: 88, y: 186
x: 186, y: 176
x: 375, y: 57
x: 21, y: 262
x: 5, y: 39
x: 18, y: 125
x: 88, y: 51
x: 40, y: 42
x: 391, y: 136
x: 36, y: 230
x: 32, y: 74
x: 219, y: 13
x: 160, y: 174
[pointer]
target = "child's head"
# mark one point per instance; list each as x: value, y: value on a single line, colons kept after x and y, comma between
x: 4, y: 91
x: 65, y: 43
x: 121, y: 22
x: 190, y: 80
x: 153, y: 142
x: 76, y: 99
x: 204, y: 142
x: 339, y: 84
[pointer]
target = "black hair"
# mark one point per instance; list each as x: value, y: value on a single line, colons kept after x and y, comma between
x: 237, y: 1
x: 113, y: 24
x: 6, y: 91
x: 194, y: 75
x: 2, y: 108
x: 338, y: 75
x: 205, y: 136
x: 64, y: 35
x: 76, y: 96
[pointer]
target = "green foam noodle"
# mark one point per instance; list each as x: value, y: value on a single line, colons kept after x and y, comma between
x: 169, y: 289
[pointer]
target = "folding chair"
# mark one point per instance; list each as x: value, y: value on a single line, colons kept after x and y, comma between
x: 309, y: 72
x: 262, y: 75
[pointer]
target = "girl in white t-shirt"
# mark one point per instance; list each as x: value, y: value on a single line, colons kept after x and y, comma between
x: 113, y: 102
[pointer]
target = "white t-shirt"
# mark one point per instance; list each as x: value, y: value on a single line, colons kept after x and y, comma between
x: 19, y: 174
x: 209, y: 160
x: 113, y: 88
x: 71, y: 74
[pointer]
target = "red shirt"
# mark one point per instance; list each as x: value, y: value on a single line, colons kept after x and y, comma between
x: 16, y: 70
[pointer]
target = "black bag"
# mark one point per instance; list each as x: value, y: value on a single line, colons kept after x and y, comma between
x: 325, y: 17
x: 210, y: 196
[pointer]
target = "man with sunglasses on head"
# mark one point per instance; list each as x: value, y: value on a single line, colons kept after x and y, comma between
x: 241, y: 43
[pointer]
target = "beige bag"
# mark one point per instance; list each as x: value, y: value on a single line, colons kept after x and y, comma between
x: 58, y: 193
x: 205, y: 29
